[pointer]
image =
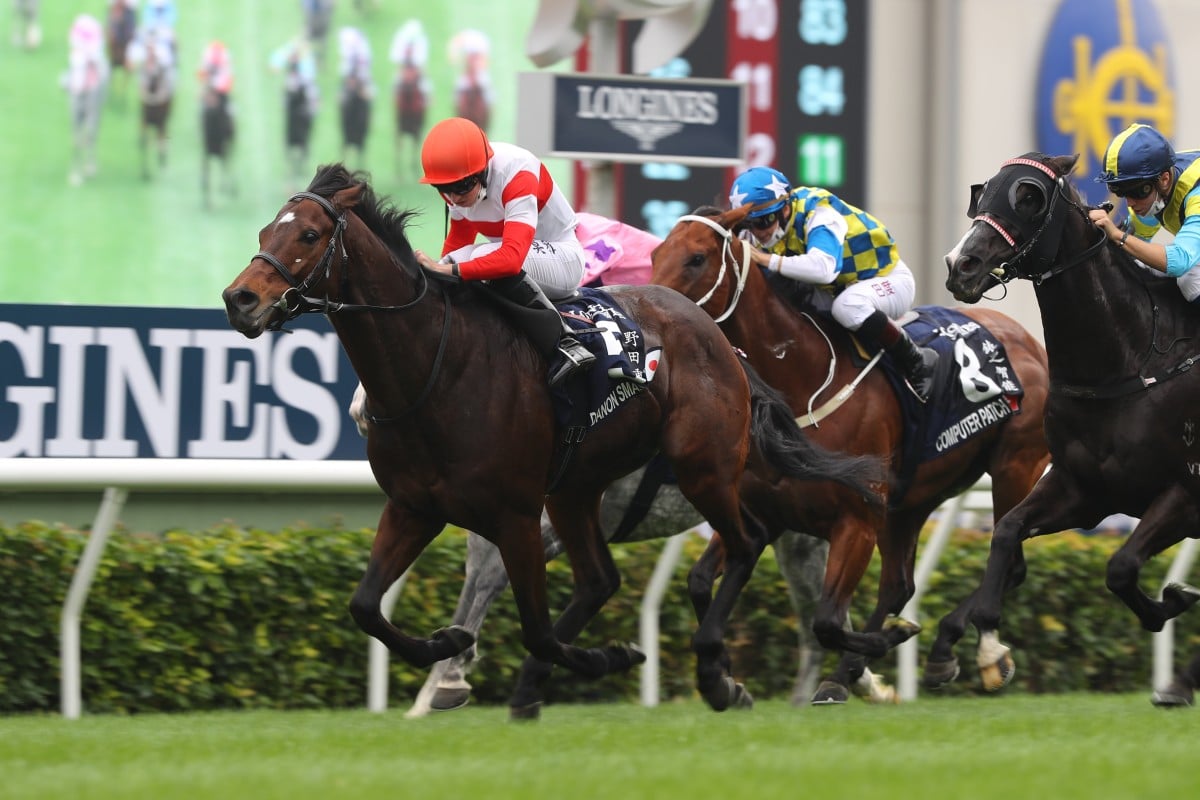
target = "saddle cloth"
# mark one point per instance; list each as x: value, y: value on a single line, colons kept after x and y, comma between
x: 623, y: 368
x: 975, y: 386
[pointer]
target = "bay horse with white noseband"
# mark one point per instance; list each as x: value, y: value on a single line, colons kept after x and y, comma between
x: 463, y: 429
x: 1119, y: 419
x: 851, y: 410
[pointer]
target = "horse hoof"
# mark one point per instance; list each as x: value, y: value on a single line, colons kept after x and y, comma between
x: 722, y: 694
x: 999, y: 673
x: 741, y: 698
x: 830, y: 693
x: 939, y: 673
x: 1179, y: 597
x: 1174, y: 696
x: 899, y: 630
x: 531, y: 712
x: 450, y: 699
x: 449, y: 642
x: 872, y: 689
x: 623, y: 656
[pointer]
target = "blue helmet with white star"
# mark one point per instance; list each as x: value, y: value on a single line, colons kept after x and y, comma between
x: 760, y: 186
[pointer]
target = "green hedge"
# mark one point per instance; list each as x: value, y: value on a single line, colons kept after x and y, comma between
x: 234, y: 618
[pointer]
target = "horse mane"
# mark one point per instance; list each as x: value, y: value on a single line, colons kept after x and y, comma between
x: 708, y: 211
x: 379, y: 214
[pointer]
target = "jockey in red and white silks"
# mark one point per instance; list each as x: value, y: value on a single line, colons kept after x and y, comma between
x: 527, y: 221
x: 531, y: 257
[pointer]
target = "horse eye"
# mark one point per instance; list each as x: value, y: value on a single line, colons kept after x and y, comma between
x: 696, y: 260
x: 1031, y: 204
x: 1027, y: 198
x: 310, y: 236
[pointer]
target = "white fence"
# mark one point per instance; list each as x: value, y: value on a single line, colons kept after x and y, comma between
x: 117, y: 477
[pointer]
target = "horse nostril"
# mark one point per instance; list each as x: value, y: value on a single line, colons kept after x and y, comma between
x: 962, y: 263
x: 240, y: 299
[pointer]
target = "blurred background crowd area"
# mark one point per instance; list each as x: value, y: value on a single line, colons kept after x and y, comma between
x: 159, y: 134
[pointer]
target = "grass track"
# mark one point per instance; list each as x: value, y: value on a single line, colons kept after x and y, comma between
x: 1062, y: 747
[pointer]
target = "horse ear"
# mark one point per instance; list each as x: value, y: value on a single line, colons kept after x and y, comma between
x: 348, y: 198
x: 1064, y: 165
x: 973, y: 205
x: 733, y: 217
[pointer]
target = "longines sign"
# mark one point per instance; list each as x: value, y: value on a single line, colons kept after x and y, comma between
x: 618, y: 118
x: 169, y: 383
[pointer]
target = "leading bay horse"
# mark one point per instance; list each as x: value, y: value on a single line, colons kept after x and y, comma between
x: 809, y: 360
x: 1120, y: 415
x: 463, y: 429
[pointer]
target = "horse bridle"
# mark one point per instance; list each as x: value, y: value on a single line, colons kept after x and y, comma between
x: 305, y: 304
x: 1044, y: 255
x: 298, y: 291
x: 1035, y: 260
x: 740, y: 271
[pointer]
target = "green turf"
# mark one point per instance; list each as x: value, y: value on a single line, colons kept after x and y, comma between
x: 1062, y: 747
x: 124, y: 241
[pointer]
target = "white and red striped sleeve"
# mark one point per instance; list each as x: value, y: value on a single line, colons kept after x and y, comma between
x: 522, y: 198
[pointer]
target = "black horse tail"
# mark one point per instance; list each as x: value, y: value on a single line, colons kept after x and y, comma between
x: 784, y: 445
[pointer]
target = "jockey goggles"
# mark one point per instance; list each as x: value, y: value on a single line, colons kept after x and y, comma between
x: 1134, y: 190
x: 763, y: 222
x: 461, y: 186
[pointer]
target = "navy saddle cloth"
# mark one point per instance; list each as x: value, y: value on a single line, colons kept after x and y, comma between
x: 975, y: 386
x: 623, y: 367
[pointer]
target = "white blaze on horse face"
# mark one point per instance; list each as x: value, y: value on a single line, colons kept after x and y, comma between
x: 288, y: 217
x: 952, y: 256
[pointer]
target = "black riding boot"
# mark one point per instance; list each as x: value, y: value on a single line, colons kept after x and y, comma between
x: 538, y: 317
x: 917, y: 363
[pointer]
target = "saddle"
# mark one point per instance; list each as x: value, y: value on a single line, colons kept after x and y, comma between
x: 618, y: 375
x: 975, y: 386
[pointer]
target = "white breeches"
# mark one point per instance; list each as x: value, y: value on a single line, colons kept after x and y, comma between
x: 557, y: 267
x: 1189, y: 284
x: 893, y: 294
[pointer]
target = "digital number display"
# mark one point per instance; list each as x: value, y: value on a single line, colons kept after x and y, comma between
x: 823, y: 59
x: 804, y: 63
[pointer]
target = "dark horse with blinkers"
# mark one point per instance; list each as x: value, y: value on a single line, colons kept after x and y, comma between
x: 1120, y: 416
x: 463, y: 429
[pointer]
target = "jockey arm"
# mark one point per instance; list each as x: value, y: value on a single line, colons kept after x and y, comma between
x: 825, y: 233
x: 1183, y: 253
x: 516, y: 231
x: 1173, y: 259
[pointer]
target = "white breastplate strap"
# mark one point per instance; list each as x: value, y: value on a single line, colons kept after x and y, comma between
x: 836, y: 402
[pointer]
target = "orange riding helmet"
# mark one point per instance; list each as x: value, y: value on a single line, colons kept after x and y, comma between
x: 455, y: 148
